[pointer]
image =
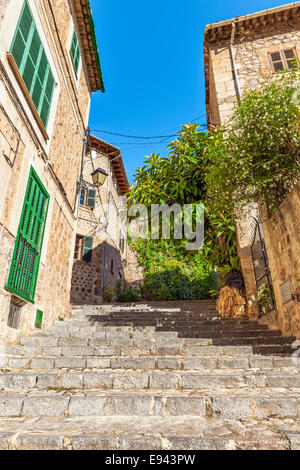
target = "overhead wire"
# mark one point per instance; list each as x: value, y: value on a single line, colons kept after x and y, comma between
x: 102, y: 131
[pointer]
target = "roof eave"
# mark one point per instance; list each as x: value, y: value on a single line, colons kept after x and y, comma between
x: 87, y: 32
x: 117, y: 163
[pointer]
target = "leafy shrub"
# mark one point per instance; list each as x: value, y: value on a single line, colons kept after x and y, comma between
x: 172, y: 273
x: 128, y: 295
x: 109, y: 294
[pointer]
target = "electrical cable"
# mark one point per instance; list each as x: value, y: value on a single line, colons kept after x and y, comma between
x: 145, y: 137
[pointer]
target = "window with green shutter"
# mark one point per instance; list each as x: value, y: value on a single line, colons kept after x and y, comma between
x: 28, y: 246
x: 30, y: 57
x: 87, y: 249
x: 91, y: 201
x: 75, y: 51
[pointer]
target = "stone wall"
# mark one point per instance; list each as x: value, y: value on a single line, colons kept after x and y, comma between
x: 253, y: 42
x: 251, y: 51
x: 90, y: 280
x: 282, y: 238
x: 22, y: 146
x: 134, y: 273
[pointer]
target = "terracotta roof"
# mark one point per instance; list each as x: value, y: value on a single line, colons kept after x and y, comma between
x: 117, y: 164
x: 86, y: 26
x: 222, y: 30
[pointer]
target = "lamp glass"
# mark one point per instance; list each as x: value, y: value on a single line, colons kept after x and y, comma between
x: 99, y: 177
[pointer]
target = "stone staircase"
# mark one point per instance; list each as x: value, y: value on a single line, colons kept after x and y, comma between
x: 150, y: 377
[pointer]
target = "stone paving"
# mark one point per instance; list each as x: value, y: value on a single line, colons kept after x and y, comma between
x: 127, y: 378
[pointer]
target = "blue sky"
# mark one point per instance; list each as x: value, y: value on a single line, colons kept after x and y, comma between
x: 152, y: 62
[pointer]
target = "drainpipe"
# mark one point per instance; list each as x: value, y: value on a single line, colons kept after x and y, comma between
x: 79, y: 184
x: 236, y: 78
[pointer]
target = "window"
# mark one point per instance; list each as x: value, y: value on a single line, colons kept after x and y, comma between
x: 14, y: 315
x: 83, y: 197
x: 112, y: 266
x: 83, y: 248
x: 75, y: 51
x: 290, y: 58
x: 88, y: 198
x: 122, y: 242
x: 31, y: 60
x: 28, y: 246
x: 283, y: 59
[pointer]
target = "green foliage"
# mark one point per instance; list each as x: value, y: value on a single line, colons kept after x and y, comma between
x: 177, y: 179
x: 172, y: 273
x: 109, y: 294
x: 128, y: 295
x: 181, y: 179
x: 256, y: 157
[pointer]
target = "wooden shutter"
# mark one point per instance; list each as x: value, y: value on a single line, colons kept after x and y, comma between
x: 87, y: 249
x: 23, y: 31
x: 75, y: 51
x: 30, y: 57
x: 91, y: 198
x: 28, y: 245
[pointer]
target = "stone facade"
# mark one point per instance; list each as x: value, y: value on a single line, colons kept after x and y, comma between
x: 282, y: 238
x: 134, y: 273
x: 54, y: 154
x: 99, y: 274
x: 237, y: 58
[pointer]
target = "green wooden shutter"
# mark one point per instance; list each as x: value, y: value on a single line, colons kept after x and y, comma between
x: 39, y: 319
x: 28, y: 246
x: 87, y: 249
x: 30, y: 57
x: 91, y: 198
x: 75, y: 50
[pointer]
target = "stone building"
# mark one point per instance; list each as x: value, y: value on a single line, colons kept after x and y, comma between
x: 101, y: 249
x: 49, y: 66
x: 239, y: 53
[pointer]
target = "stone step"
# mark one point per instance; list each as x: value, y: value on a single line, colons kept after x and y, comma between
x: 196, y: 332
x: 257, y: 363
x: 226, y: 324
x: 125, y: 379
x: 157, y: 349
x: 136, y: 339
x: 92, y: 328
x: 285, y: 340
x: 108, y: 337
x: 203, y: 320
x: 169, y: 433
x: 285, y: 350
x: 230, y: 334
x: 228, y: 405
x: 151, y: 314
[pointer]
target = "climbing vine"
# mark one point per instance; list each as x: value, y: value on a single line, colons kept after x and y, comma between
x: 256, y: 157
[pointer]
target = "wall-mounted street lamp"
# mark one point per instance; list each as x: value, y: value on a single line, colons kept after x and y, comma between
x: 99, y: 177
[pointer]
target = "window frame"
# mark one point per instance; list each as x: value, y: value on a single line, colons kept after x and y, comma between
x: 77, y: 51
x: 79, y: 254
x: 85, y: 190
x: 283, y: 58
x: 89, y: 198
